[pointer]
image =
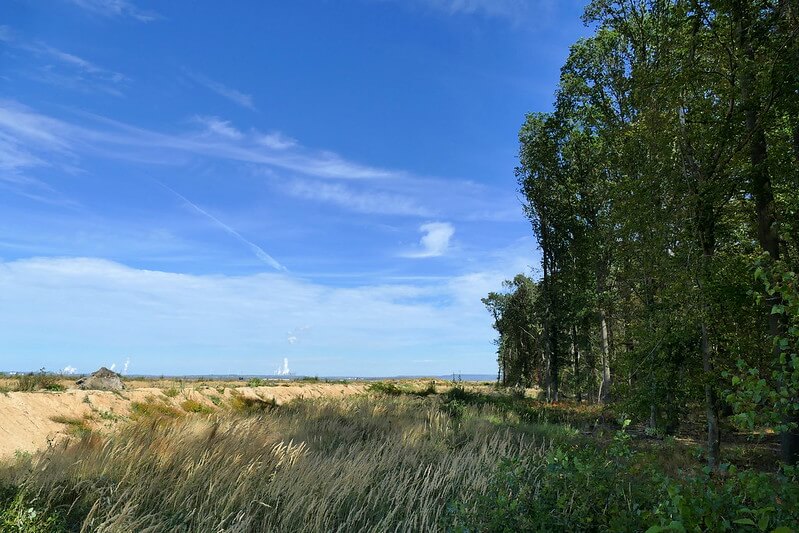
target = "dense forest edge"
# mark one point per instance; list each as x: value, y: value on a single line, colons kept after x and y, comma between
x: 648, y: 368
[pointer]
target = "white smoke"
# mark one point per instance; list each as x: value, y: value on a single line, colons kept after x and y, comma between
x: 69, y: 370
x: 125, y: 368
x: 113, y: 366
x: 284, y: 370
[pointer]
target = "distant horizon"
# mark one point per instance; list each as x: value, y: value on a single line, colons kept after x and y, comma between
x: 470, y: 376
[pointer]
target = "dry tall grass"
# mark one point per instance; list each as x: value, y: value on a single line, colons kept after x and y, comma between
x: 369, y: 463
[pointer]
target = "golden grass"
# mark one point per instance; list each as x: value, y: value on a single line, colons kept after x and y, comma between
x: 365, y: 463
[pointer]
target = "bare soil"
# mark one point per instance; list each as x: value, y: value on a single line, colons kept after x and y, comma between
x: 30, y: 421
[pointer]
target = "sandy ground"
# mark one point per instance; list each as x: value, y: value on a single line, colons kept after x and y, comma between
x: 26, y: 418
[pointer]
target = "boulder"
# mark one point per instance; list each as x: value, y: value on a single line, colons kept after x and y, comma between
x: 103, y: 379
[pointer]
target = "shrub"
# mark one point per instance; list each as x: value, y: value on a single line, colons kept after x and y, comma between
x: 193, y: 406
x: 248, y: 405
x: 255, y: 382
x: 383, y: 387
x: 41, y: 380
x: 153, y: 409
x: 20, y: 513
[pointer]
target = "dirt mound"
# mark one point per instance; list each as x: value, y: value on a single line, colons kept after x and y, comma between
x: 30, y: 421
x: 103, y: 379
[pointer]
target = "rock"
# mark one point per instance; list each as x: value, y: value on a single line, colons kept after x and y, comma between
x: 103, y: 379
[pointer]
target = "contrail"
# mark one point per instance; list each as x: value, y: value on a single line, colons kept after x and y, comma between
x: 257, y: 250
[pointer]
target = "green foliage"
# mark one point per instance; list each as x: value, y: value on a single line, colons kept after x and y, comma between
x: 589, y: 489
x: 771, y: 397
x: 20, y: 513
x: 249, y: 405
x: 77, y: 427
x: 385, y: 387
x: 41, y: 380
x: 171, y: 392
x: 153, y: 409
x: 255, y: 382
x: 194, y: 406
x: 575, y: 488
x: 729, y: 500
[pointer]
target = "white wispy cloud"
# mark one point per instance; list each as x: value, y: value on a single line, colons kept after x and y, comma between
x: 257, y: 250
x: 510, y: 9
x: 365, y: 201
x: 94, y: 307
x: 51, y: 65
x: 37, y: 138
x: 217, y: 127
x: 235, y: 96
x: 116, y: 9
x: 20, y: 138
x: 435, y: 241
x: 118, y: 140
x: 277, y: 141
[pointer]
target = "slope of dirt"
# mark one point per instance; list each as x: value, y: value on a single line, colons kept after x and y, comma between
x: 30, y: 421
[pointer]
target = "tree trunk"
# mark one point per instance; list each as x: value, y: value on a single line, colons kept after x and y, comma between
x: 760, y: 186
x: 576, y: 353
x: 604, y: 344
x: 711, y: 404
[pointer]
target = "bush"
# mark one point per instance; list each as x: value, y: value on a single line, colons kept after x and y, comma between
x: 585, y: 488
x: 193, y: 406
x: 21, y: 514
x: 383, y: 387
x: 248, y: 405
x: 41, y: 380
x: 153, y: 409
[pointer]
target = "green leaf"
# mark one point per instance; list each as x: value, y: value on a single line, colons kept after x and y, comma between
x: 744, y: 522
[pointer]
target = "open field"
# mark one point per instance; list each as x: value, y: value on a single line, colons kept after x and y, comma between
x: 29, y: 421
x: 385, y: 456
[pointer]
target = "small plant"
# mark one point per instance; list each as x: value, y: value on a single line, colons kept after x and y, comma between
x: 109, y: 415
x: 41, y: 380
x: 383, y: 387
x: 216, y: 400
x: 248, y: 405
x: 171, y: 392
x: 427, y: 391
x: 153, y: 409
x: 255, y: 382
x: 193, y: 406
x: 77, y: 427
x: 20, y: 513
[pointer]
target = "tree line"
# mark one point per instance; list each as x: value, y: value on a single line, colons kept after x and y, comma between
x: 663, y: 190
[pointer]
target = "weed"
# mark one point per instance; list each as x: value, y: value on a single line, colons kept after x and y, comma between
x: 77, y: 427
x: 193, y: 406
x: 171, y: 392
x: 41, y: 380
x: 153, y: 409
x: 384, y: 387
x: 248, y: 405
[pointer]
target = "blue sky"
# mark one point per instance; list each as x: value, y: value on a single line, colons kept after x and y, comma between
x: 194, y: 187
